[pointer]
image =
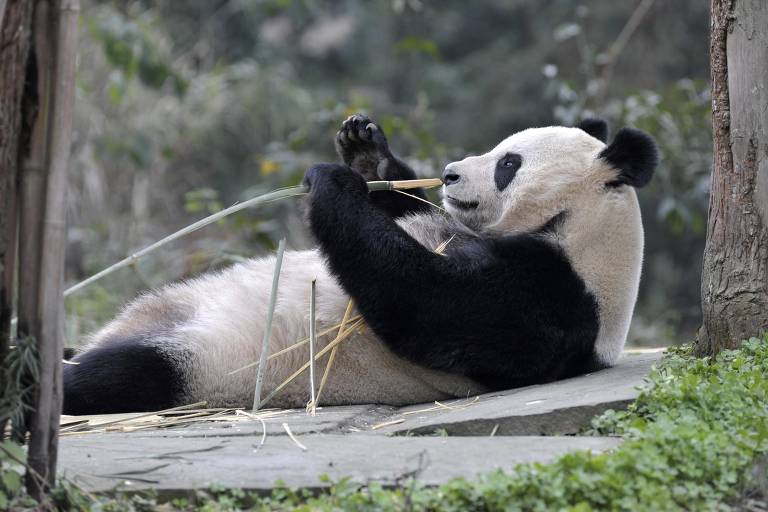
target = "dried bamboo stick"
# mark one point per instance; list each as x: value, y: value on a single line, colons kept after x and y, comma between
x: 320, y: 354
x: 293, y: 347
x: 411, y: 184
x: 293, y: 437
x: 332, y: 357
x: 136, y: 417
x: 300, y: 343
x: 312, y: 342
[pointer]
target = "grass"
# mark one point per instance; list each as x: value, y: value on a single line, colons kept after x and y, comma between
x: 695, y: 439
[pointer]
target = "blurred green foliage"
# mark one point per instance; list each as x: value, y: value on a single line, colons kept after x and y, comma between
x: 12, y: 458
x: 187, y: 107
x: 131, y: 53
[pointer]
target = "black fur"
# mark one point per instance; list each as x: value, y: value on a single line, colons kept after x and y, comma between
x: 634, y: 155
x: 506, y: 169
x: 506, y: 311
x: 123, y: 375
x: 362, y: 145
x: 553, y: 225
x: 597, y: 128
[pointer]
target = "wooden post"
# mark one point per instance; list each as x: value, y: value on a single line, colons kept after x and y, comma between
x: 734, y: 287
x: 16, y: 18
x: 43, y: 443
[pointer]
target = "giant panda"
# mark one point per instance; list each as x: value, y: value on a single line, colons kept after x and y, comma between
x: 537, y: 282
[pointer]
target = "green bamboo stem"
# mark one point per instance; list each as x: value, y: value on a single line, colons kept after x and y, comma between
x: 268, y: 327
x: 276, y: 195
x: 133, y: 258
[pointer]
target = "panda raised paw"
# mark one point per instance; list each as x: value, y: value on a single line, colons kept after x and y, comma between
x: 362, y: 145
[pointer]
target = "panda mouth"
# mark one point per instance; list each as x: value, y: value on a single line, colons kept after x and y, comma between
x: 462, y: 205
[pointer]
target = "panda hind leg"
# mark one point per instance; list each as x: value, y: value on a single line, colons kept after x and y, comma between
x: 122, y: 375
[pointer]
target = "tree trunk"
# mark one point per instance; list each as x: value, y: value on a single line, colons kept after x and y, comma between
x: 734, y: 285
x: 32, y: 192
x: 16, y: 17
x: 44, y: 431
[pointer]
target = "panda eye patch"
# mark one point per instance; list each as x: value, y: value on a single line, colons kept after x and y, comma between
x: 506, y: 168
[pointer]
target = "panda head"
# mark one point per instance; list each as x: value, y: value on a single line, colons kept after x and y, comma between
x: 538, y: 174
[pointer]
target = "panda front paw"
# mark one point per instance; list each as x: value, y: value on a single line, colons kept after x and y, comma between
x: 362, y: 146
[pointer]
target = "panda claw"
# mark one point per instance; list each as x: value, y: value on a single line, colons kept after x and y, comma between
x: 362, y: 145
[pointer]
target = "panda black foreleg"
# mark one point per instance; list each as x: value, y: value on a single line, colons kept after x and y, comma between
x: 407, y: 294
x: 362, y: 145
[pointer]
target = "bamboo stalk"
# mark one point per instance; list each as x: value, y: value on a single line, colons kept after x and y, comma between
x: 33, y: 178
x: 312, y: 341
x: 411, y: 184
x: 133, y: 258
x: 43, y: 444
x: 268, y: 327
x: 32, y: 184
x: 250, y: 203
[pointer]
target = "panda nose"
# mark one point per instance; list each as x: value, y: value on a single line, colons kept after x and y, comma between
x: 449, y: 178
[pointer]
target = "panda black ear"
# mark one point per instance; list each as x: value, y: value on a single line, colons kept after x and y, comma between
x: 634, y: 155
x: 595, y: 127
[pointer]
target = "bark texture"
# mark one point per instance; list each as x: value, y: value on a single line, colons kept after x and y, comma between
x: 32, y: 191
x: 48, y: 329
x: 735, y: 272
x: 16, y: 17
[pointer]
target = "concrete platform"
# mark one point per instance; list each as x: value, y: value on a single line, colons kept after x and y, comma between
x: 176, y: 464
x: 434, y: 442
x: 558, y: 408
